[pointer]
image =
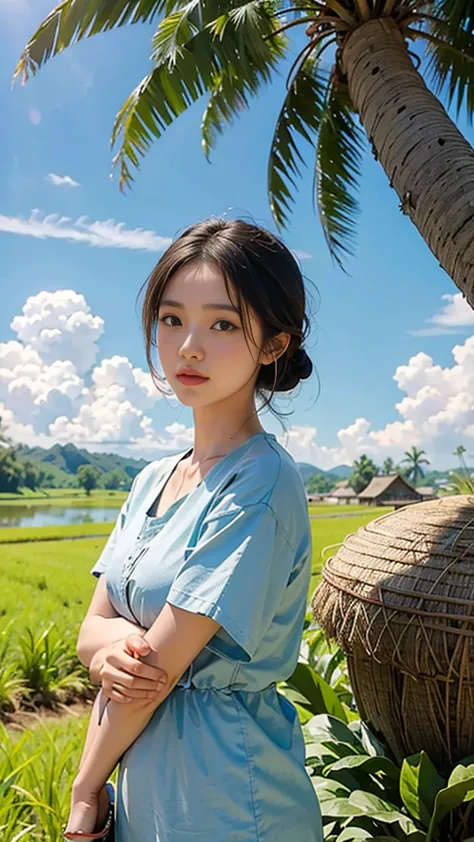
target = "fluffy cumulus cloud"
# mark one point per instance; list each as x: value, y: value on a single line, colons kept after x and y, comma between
x: 52, y: 390
x: 436, y: 414
x: 60, y: 326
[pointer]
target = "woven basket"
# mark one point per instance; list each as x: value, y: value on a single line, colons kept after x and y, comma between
x: 398, y: 597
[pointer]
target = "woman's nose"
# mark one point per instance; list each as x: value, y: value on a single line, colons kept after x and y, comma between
x: 191, y: 348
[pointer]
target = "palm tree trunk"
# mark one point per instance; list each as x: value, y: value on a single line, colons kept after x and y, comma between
x: 428, y: 161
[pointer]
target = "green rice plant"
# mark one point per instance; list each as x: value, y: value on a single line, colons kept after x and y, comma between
x: 36, y: 774
x: 49, y: 666
x: 12, y: 686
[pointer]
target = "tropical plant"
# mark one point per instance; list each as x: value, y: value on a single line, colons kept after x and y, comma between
x: 49, y: 667
x: 414, y: 459
x: 364, y: 471
x: 364, y: 794
x: 320, y: 682
x: 462, y: 482
x: 230, y: 49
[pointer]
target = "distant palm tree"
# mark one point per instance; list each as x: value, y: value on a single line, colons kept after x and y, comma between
x: 229, y: 49
x: 364, y: 471
x: 414, y: 470
x: 388, y: 466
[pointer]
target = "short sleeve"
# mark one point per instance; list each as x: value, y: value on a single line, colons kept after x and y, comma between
x: 237, y: 574
x: 104, y: 558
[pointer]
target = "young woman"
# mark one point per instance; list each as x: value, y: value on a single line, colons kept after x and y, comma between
x: 209, y: 566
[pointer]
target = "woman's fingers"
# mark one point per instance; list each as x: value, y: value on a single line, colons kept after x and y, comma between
x: 136, y: 669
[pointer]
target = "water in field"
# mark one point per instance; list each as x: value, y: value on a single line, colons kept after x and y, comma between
x: 55, y: 515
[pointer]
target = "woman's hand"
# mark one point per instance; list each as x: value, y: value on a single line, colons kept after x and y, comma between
x: 124, y: 677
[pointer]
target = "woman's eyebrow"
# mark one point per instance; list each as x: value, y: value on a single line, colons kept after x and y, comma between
x: 169, y: 302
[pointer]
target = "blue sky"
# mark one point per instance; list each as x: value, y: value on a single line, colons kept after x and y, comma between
x: 383, y: 335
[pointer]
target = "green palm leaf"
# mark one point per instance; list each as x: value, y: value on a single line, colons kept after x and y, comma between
x: 451, y: 61
x: 231, y: 92
x: 298, y: 121
x: 458, y: 14
x: 193, y: 60
x: 73, y: 20
x: 338, y: 160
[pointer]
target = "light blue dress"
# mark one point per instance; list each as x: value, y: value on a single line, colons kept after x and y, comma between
x: 222, y: 759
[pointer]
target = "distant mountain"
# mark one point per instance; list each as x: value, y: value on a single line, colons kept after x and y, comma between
x: 341, y: 471
x: 64, y: 460
x: 307, y: 471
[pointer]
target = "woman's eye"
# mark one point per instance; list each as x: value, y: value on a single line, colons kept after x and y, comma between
x: 163, y: 319
x: 228, y: 327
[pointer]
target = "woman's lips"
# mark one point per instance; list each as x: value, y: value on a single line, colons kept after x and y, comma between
x: 192, y: 379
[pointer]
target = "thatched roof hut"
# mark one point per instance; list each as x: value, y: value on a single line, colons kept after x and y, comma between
x: 389, y: 490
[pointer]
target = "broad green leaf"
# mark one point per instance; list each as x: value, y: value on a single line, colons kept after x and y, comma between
x: 352, y: 834
x: 371, y: 744
x: 318, y: 693
x: 461, y: 773
x: 447, y: 800
x: 381, y: 810
x: 341, y: 808
x: 330, y: 729
x: 372, y: 765
x: 327, y: 789
x: 419, y: 784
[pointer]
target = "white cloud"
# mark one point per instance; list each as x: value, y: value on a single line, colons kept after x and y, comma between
x: 61, y: 180
x: 50, y: 387
x: 451, y: 318
x: 100, y: 234
x: 437, y: 414
x: 59, y: 326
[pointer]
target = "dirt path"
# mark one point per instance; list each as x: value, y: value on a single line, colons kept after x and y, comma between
x: 24, y: 720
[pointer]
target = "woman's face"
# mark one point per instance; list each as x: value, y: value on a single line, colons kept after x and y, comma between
x: 200, y: 329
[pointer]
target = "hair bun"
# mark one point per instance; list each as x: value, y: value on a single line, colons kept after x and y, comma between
x: 301, y: 364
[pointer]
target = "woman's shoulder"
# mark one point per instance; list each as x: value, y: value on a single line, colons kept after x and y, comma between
x: 150, y: 474
x: 266, y: 474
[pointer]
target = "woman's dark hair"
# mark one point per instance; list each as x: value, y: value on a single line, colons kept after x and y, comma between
x: 261, y: 272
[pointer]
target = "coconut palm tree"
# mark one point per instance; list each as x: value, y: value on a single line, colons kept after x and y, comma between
x: 229, y: 49
x: 388, y: 466
x: 364, y: 470
x: 414, y: 470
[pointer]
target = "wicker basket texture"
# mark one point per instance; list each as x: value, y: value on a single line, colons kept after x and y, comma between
x: 398, y: 597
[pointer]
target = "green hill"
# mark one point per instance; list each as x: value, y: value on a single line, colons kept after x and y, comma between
x: 62, y: 462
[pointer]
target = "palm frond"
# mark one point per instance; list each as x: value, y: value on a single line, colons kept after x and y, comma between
x: 337, y: 167
x: 298, y: 121
x: 456, y: 14
x: 451, y: 64
x: 73, y: 20
x: 194, y: 60
x: 232, y: 90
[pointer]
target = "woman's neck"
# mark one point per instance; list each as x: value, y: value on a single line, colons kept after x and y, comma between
x: 216, y: 433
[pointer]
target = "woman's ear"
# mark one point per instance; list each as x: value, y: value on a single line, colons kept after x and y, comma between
x: 277, y: 348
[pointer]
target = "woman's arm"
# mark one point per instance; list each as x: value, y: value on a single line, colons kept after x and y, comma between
x: 176, y: 638
x: 101, y: 627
